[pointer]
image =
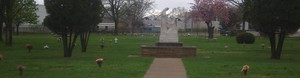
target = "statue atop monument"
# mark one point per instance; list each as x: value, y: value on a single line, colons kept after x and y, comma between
x: 168, y: 45
x: 168, y: 28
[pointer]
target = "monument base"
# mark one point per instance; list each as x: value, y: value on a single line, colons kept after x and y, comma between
x: 168, y: 44
x: 166, y: 50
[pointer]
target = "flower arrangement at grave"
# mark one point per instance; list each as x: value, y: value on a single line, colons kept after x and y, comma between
x: 99, y: 61
x: 21, y: 69
x: 225, y: 46
x: 58, y: 39
x: 262, y: 46
x: 102, y: 46
x: 245, y: 69
x: 102, y: 43
x: 29, y: 47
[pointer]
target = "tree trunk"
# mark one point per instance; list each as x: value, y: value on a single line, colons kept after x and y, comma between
x: 1, y: 29
x: 116, y: 27
x: 185, y: 26
x: 68, y: 43
x: 1, y: 19
x: 272, y: 39
x: 84, y: 38
x: 8, y: 34
x: 17, y: 27
x: 130, y: 27
x: 65, y: 44
x: 276, y: 48
x: 8, y: 22
x: 243, y: 26
x: 280, y: 44
x: 210, y: 30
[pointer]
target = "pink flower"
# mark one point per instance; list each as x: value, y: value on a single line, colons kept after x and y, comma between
x: 29, y: 47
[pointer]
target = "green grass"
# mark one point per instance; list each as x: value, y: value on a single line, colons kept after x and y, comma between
x: 50, y: 63
x: 212, y: 60
x: 215, y: 61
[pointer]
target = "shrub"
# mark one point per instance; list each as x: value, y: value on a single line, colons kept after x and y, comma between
x: 246, y: 38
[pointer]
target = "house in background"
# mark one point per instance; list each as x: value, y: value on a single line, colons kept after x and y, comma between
x: 153, y: 23
x: 107, y: 24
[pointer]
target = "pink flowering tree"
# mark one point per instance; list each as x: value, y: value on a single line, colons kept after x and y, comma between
x: 208, y: 11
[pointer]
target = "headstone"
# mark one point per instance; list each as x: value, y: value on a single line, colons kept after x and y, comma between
x: 168, y: 29
x: 116, y: 40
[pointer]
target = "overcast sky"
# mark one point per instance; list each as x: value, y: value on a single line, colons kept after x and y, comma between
x: 160, y: 4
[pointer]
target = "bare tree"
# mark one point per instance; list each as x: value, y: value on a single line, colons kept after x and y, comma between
x: 115, y: 9
x: 178, y: 12
x: 181, y: 13
x: 134, y: 15
x: 242, y: 8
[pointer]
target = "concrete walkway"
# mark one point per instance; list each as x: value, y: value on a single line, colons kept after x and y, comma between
x: 166, y: 68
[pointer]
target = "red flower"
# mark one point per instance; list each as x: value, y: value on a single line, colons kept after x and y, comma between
x: 29, y: 47
x: 99, y: 61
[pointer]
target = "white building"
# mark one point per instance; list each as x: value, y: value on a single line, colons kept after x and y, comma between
x: 41, y: 12
x: 107, y: 25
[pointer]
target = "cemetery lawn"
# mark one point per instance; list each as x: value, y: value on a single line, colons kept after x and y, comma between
x: 212, y: 60
x: 50, y: 63
x: 215, y: 61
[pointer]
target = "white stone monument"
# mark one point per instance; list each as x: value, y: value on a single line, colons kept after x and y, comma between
x: 168, y: 28
x: 168, y: 45
x: 116, y: 40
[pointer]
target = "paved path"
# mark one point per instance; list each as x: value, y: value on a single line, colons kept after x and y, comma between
x: 166, y: 68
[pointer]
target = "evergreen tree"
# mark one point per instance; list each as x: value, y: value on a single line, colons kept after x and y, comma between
x: 275, y: 18
x: 70, y: 18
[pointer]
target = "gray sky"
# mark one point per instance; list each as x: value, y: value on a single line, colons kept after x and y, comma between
x: 160, y: 4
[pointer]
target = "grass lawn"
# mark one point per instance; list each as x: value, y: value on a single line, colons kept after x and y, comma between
x: 215, y: 61
x: 50, y: 63
x: 212, y: 61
